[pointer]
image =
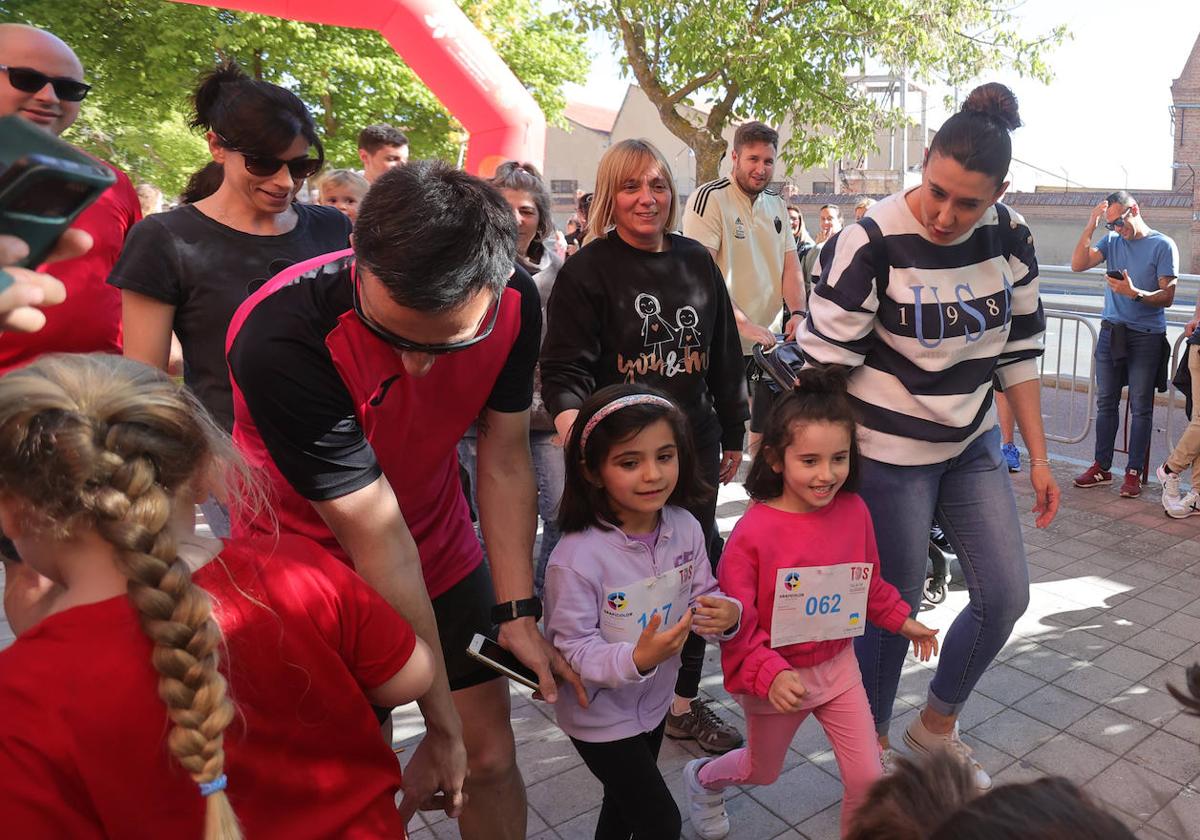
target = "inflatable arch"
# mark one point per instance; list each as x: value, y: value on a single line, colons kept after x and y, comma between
x: 450, y: 56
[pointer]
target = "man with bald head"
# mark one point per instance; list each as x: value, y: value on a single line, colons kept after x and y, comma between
x: 42, y: 81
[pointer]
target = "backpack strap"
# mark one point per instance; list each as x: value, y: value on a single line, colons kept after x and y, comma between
x: 1004, y: 221
x: 879, y: 254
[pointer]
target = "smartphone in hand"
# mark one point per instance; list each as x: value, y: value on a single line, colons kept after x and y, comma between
x: 1116, y: 275
x: 498, y: 659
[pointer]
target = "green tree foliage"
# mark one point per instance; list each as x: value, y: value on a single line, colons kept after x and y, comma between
x: 786, y: 60
x: 144, y: 56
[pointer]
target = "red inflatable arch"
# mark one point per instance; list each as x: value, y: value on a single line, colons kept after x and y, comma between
x: 450, y: 56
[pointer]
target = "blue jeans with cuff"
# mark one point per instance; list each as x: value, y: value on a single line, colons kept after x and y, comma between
x: 972, y: 498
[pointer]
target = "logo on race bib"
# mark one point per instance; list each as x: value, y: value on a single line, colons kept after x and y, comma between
x: 860, y: 573
x: 854, y: 619
x: 616, y: 601
x: 792, y: 581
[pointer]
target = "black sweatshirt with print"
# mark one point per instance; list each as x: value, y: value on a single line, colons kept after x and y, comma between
x: 619, y: 314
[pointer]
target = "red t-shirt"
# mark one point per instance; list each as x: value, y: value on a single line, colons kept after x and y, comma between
x: 82, y: 731
x: 324, y: 408
x: 89, y: 320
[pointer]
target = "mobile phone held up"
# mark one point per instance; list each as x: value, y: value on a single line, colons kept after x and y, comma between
x: 45, y: 184
x: 1116, y: 275
x: 498, y: 659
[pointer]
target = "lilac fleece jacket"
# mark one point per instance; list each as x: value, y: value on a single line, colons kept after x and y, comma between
x: 623, y: 702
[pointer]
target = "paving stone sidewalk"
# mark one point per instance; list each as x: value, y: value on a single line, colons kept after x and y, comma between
x: 1079, y: 690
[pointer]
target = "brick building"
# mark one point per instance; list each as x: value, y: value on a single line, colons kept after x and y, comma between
x: 1185, y: 127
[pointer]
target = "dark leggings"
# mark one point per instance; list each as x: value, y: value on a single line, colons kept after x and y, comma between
x: 691, y: 658
x: 637, y: 803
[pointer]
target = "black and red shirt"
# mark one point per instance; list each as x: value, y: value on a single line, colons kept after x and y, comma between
x: 325, y: 408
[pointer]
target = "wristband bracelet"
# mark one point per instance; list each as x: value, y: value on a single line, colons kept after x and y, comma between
x: 1039, y: 462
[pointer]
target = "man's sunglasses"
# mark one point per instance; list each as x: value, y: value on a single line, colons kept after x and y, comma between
x: 401, y: 343
x: 1118, y: 222
x: 264, y: 166
x: 28, y: 80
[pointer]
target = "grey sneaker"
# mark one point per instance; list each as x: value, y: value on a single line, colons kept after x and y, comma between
x: 706, y: 808
x: 704, y: 726
x: 923, y: 742
x: 1170, y: 487
x: 1187, y: 506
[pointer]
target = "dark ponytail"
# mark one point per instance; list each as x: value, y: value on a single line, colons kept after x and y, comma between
x: 977, y: 137
x: 251, y: 116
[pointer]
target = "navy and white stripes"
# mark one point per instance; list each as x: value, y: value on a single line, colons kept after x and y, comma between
x: 926, y: 326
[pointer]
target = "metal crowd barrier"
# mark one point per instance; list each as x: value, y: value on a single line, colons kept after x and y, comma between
x: 1180, y: 344
x: 1079, y: 415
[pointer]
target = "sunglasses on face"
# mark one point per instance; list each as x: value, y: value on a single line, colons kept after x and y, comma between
x: 264, y: 166
x: 1118, y: 222
x: 402, y: 343
x: 28, y: 80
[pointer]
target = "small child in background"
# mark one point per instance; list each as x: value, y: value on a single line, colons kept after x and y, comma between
x: 626, y: 582
x: 344, y: 190
x: 805, y: 567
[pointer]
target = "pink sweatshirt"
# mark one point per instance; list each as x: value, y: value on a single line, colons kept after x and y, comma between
x: 766, y: 540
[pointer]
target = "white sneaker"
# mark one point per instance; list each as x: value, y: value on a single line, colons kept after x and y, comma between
x: 887, y: 760
x: 706, y: 808
x: 1170, y: 485
x: 1187, y: 506
x: 921, y: 741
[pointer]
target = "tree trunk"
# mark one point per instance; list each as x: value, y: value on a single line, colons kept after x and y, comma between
x: 708, y: 159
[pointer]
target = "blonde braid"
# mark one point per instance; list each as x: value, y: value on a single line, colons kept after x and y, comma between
x: 108, y: 444
x: 133, y: 512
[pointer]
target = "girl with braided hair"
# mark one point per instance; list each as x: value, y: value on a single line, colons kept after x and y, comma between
x: 101, y: 462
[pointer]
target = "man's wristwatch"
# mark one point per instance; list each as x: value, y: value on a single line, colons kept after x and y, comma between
x: 1138, y: 297
x: 510, y: 610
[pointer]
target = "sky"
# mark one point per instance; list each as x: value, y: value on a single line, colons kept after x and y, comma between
x: 1103, y: 120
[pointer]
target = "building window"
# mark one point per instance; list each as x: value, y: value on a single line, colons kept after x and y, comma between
x: 822, y: 187
x: 564, y: 187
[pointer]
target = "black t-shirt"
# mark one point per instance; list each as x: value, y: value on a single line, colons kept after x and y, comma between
x: 206, y: 269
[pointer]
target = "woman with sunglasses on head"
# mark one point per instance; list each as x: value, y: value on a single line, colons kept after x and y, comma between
x: 189, y: 269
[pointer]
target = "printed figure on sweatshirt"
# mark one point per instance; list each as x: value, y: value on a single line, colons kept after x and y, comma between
x: 655, y: 331
x: 804, y: 564
x: 627, y: 581
x: 154, y: 669
x: 689, y: 337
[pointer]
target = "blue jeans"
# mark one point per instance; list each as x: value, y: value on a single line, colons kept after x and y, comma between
x: 973, y: 501
x: 549, y: 471
x: 1138, y: 369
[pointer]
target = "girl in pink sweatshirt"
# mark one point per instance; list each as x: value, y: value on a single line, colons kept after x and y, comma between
x: 627, y: 580
x: 803, y: 563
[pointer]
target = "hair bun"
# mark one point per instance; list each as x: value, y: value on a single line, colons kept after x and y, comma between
x: 996, y: 101
x: 208, y: 90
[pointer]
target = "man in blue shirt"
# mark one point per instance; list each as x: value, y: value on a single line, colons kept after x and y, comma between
x: 1142, y: 267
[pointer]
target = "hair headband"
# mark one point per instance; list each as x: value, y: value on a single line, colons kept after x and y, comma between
x: 615, y: 406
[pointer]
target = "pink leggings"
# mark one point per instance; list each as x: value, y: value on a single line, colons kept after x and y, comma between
x: 837, y: 698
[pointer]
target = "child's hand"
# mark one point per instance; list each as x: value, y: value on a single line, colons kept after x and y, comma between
x: 654, y: 648
x: 924, y: 639
x: 786, y: 691
x: 715, y: 615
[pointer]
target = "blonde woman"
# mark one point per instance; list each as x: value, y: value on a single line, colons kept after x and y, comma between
x: 641, y: 305
x: 117, y: 714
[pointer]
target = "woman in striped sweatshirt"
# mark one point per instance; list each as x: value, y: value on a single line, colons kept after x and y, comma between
x: 929, y: 295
